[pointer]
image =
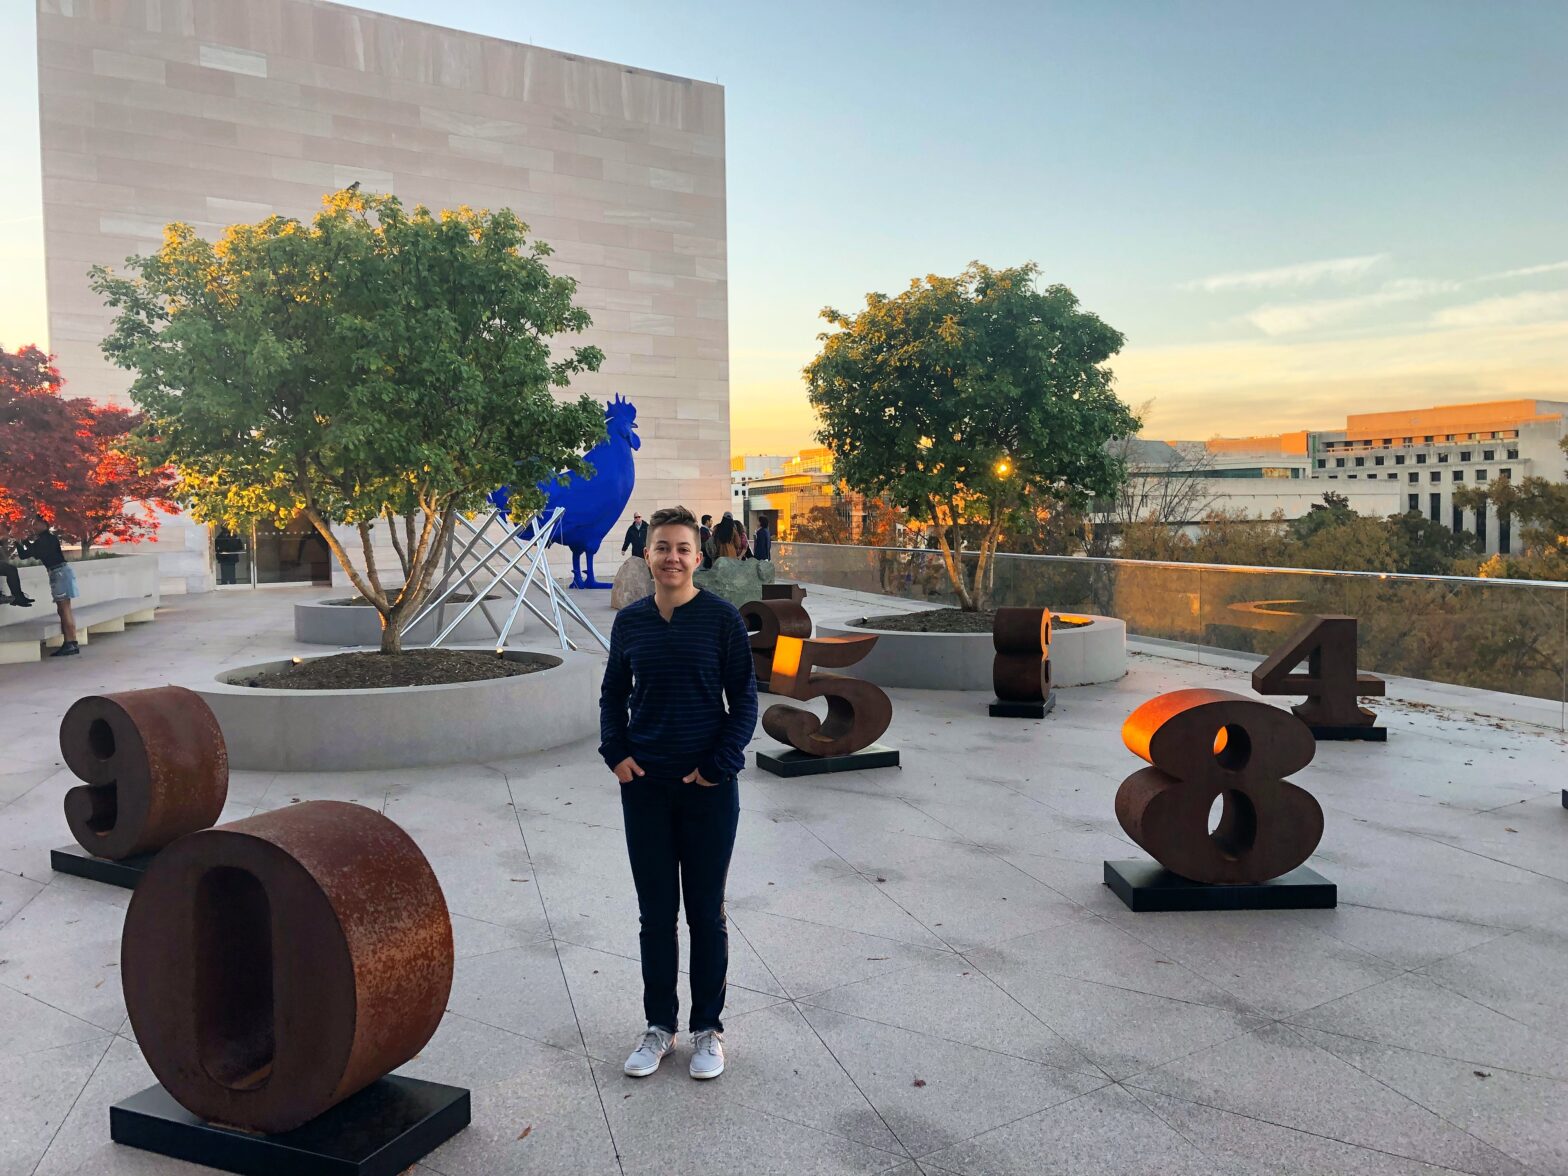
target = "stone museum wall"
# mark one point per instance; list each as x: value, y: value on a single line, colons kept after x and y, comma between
x: 216, y: 112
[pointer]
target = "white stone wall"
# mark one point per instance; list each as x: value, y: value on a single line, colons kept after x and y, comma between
x: 218, y: 111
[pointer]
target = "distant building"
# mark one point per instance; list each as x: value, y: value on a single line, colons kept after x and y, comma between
x: 744, y: 469
x: 1391, y: 463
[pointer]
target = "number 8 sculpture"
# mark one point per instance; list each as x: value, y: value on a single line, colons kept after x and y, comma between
x: 1204, y: 744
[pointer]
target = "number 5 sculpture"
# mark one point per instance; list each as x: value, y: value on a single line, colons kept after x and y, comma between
x: 859, y: 712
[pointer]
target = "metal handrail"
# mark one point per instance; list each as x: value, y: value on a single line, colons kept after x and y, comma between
x: 1557, y: 585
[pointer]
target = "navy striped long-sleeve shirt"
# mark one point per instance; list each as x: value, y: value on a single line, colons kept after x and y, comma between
x: 664, y: 693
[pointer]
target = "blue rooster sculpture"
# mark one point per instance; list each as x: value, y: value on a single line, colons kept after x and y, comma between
x: 592, y: 505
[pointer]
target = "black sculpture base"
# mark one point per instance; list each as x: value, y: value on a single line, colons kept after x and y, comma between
x: 798, y: 763
x: 1368, y: 734
x: 1024, y: 710
x: 1148, y: 886
x: 1565, y: 798
x: 391, y: 1124
x: 73, y: 859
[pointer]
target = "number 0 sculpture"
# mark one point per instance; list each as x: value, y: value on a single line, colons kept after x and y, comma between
x: 1204, y: 744
x: 279, y: 964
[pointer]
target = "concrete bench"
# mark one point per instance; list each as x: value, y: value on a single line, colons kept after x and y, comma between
x: 25, y: 632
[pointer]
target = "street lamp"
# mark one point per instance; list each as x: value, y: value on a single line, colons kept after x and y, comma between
x: 1003, y: 468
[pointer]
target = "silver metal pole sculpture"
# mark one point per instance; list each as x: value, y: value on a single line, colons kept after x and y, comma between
x: 465, y: 569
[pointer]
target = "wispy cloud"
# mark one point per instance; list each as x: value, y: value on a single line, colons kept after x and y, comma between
x: 1533, y: 307
x: 1292, y: 317
x: 1528, y: 271
x: 1307, y: 273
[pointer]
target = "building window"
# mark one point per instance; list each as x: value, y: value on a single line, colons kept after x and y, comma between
x: 1420, y: 459
x: 1426, y: 440
x: 1464, y: 455
x: 1435, y: 476
x: 1480, y: 475
x: 1505, y: 472
x: 1339, y: 463
x: 1505, y: 533
x: 1414, y: 477
x: 1436, y: 511
x: 1441, y: 458
x: 1513, y: 455
x: 1459, y: 521
x: 1399, y: 459
x: 1361, y: 461
x: 1321, y: 463
x: 1387, y: 441
x: 1352, y: 477
x: 1377, y: 461
x: 1480, y: 524
x: 1414, y: 503
x: 1406, y: 440
x: 1488, y: 455
x: 1459, y: 475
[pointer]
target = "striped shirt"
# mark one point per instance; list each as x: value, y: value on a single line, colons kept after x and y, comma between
x: 664, y: 692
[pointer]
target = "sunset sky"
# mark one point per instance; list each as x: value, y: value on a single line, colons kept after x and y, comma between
x: 1292, y: 211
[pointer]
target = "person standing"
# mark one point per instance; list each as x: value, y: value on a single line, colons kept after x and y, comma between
x: 762, y: 544
x: 676, y: 659
x: 636, y: 538
x: 228, y: 547
x: 45, y: 548
x: 705, y: 538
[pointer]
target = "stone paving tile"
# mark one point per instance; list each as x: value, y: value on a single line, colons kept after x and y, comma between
x: 1280, y: 1075
x: 669, y: 1123
x: 1414, y: 1013
x: 1103, y: 1133
x: 850, y: 902
x: 934, y: 1093
x: 38, y: 1091
x: 29, y: 1026
x: 1279, y: 962
x: 520, y: 990
x: 1521, y: 1115
x: 807, y: 957
x: 1523, y: 976
x: 15, y: 893
x: 951, y: 999
x: 1236, y: 1145
x: 1408, y: 941
x: 65, y: 951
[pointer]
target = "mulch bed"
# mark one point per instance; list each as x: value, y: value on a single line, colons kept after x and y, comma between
x: 412, y: 667
x: 947, y: 620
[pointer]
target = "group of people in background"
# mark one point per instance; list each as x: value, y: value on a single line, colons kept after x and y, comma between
x: 728, y: 538
x: 43, y: 545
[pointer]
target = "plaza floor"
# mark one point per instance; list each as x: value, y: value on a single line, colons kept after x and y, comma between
x: 927, y: 974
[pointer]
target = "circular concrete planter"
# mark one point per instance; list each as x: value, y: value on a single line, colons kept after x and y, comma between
x: 404, y: 727
x: 321, y: 622
x: 1097, y: 652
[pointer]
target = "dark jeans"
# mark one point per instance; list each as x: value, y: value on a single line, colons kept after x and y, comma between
x: 13, y: 578
x: 226, y: 567
x: 680, y: 837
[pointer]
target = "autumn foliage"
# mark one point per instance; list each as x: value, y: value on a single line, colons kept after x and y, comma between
x: 62, y: 458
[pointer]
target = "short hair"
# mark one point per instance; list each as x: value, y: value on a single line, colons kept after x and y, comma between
x: 673, y: 516
x: 705, y: 518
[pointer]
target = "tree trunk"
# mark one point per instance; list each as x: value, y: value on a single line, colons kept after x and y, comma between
x: 954, y: 565
x: 391, y: 634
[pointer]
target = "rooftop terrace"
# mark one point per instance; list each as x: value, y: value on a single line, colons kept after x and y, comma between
x: 927, y: 973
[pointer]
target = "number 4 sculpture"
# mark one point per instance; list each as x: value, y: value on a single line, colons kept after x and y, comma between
x: 1332, y: 683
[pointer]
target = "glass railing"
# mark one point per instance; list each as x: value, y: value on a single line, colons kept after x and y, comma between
x: 1503, y: 635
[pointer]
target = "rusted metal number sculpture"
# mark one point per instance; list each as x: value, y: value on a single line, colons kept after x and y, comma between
x: 1205, y: 744
x: 1332, y: 683
x: 859, y: 712
x: 279, y: 964
x: 154, y: 767
x: 1021, y: 669
x: 769, y: 619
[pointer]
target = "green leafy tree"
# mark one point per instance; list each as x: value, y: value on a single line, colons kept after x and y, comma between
x: 965, y: 398
x: 374, y: 364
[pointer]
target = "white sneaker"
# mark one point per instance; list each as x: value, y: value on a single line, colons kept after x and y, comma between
x: 646, y: 1057
x: 707, y: 1054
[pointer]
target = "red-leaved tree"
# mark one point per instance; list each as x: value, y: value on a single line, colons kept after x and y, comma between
x: 62, y: 458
